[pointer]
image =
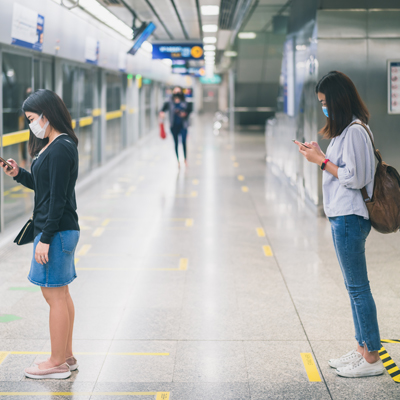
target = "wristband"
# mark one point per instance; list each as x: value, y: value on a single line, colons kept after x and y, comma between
x: 323, y: 165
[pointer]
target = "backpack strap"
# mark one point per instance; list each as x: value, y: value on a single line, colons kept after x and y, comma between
x: 377, y: 155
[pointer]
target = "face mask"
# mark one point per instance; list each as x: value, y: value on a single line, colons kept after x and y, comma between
x: 325, y: 111
x: 37, y: 130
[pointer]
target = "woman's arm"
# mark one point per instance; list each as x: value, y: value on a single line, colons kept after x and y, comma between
x: 19, y: 174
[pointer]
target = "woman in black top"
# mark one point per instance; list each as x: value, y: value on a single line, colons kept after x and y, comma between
x: 54, y: 170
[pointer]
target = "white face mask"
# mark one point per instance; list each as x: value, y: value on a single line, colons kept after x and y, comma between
x: 37, y: 130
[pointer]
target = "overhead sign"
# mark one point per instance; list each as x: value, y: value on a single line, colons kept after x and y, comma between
x: 211, y: 80
x: 394, y: 87
x: 27, y: 28
x: 175, y: 51
x: 92, y: 50
x: 142, y: 37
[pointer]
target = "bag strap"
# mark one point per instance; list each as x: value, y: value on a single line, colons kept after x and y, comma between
x: 377, y: 155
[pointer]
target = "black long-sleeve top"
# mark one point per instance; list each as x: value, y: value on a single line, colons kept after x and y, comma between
x: 53, y: 178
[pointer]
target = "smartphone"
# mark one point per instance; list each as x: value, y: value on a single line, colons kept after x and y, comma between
x: 5, y: 162
x: 294, y: 140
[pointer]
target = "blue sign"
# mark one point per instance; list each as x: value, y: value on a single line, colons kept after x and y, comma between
x: 27, y: 28
x: 142, y: 38
x: 211, y: 80
x: 184, y: 51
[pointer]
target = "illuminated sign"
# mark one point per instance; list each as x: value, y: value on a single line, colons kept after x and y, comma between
x: 394, y: 87
x: 174, y: 51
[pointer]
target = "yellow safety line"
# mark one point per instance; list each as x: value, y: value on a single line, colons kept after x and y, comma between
x: 84, y: 250
x: 96, y: 112
x: 189, y: 222
x: 73, y: 124
x: 123, y: 107
x: 86, y: 121
x: 260, y: 232
x: 98, y: 232
x: 390, y: 366
x: 3, y: 356
x: 311, y: 368
x: 89, y: 353
x: 267, y: 251
x: 236, y: 164
x: 245, y: 189
x: 390, y: 340
x: 193, y: 193
x: 183, y: 264
x: 15, y: 137
x: 113, y: 115
x: 160, y: 395
x: 106, y: 222
x: 240, y: 177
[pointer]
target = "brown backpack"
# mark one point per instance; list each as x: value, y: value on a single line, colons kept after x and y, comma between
x: 384, y: 207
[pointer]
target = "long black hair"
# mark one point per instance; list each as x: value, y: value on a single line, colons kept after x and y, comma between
x: 49, y: 104
x: 342, y: 101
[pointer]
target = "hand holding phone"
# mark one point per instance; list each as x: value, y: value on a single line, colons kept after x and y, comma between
x: 295, y: 142
x: 10, y: 167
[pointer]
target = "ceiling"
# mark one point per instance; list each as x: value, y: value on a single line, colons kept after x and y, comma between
x: 179, y: 19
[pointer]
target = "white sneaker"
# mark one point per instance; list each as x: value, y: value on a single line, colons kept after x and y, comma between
x: 345, y: 360
x: 361, y: 368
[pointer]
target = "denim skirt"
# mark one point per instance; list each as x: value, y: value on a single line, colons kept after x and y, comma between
x: 60, y: 270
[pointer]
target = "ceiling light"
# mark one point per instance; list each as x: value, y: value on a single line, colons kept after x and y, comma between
x: 209, y: 47
x: 209, y: 39
x: 147, y: 46
x: 247, y: 35
x: 98, y: 11
x: 230, y: 53
x: 209, y: 53
x: 209, y: 57
x: 210, y: 10
x: 210, y: 28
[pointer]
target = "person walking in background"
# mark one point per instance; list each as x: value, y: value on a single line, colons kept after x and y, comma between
x: 349, y: 165
x: 54, y: 171
x: 179, y: 111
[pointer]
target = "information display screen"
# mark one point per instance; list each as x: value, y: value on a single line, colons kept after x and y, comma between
x: 394, y: 87
x: 142, y: 38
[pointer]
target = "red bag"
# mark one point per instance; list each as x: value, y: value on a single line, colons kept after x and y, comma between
x: 163, y: 135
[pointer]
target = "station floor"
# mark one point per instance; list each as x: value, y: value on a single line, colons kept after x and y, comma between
x: 214, y: 282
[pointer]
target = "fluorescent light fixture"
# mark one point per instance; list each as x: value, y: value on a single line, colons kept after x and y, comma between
x: 210, y: 28
x: 209, y: 58
x: 209, y: 39
x: 101, y: 13
x: 209, y: 53
x: 230, y: 53
x: 147, y: 46
x: 247, y: 35
x: 209, y: 47
x: 210, y: 10
x: 210, y: 62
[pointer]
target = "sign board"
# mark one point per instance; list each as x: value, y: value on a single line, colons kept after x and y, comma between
x: 394, y: 87
x: 92, y: 50
x: 141, y: 38
x: 210, y: 80
x: 174, y: 51
x: 27, y: 28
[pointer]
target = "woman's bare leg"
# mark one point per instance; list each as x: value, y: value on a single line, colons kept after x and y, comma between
x: 71, y: 313
x: 59, y: 325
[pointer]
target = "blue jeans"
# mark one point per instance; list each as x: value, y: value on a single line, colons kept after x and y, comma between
x: 349, y: 234
x: 177, y: 130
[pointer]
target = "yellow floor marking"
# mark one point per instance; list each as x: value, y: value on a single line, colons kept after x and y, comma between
x: 240, y: 177
x: 391, y: 367
x: 76, y: 260
x: 189, y: 222
x: 260, y: 232
x: 6, y: 193
x: 390, y: 340
x: 106, y: 222
x: 16, y: 189
x: 267, y: 251
x: 18, y: 196
x: 87, y: 353
x: 311, y: 368
x: 193, y: 193
x: 3, y: 356
x: 183, y: 264
x: 98, y: 232
x: 84, y: 250
x: 245, y: 189
x: 236, y: 164
x: 160, y: 395
x: 195, y: 181
x: 233, y: 158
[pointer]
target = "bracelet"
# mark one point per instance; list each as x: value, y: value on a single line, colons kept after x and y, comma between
x: 323, y: 165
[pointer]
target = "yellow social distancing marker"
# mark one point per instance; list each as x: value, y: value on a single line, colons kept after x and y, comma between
x: 159, y: 395
x: 98, y: 232
x: 389, y: 364
x: 245, y: 189
x: 193, y: 193
x: 3, y: 356
x: 233, y: 158
x: 76, y: 260
x: 267, y: 251
x: 311, y: 368
x: 84, y: 250
x: 183, y: 264
x: 189, y: 222
x: 106, y: 222
x: 260, y: 232
x: 236, y: 164
x: 195, y: 181
x: 240, y: 177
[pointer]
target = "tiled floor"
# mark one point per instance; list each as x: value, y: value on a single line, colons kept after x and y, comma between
x: 177, y: 297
